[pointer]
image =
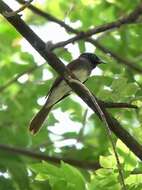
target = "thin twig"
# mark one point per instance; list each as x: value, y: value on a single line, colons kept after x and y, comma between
x: 104, y: 119
x: 14, y: 79
x: 116, y: 105
x: 94, y: 42
x: 13, y: 13
x: 109, y: 133
x: 131, y: 18
x: 32, y: 69
x: 80, y: 135
x: 120, y: 59
x: 49, y: 17
x: 41, y: 156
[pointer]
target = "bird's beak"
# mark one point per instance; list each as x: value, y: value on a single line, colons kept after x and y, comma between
x: 101, y: 61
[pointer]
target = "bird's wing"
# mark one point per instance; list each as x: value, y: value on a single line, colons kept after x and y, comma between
x: 71, y: 66
x: 55, y: 83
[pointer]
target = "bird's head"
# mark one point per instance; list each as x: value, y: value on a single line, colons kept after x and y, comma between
x: 92, y: 58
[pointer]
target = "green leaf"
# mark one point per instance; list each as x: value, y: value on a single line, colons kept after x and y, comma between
x: 46, y: 168
x: 6, y: 184
x: 129, y: 159
x: 102, y: 181
x: 13, y: 165
x: 81, y: 46
x: 108, y: 161
x: 73, y: 177
x: 66, y: 175
x: 70, y: 135
x: 121, y: 89
x: 66, y: 55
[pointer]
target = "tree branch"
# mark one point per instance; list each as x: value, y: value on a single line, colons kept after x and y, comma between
x: 116, y: 105
x: 32, y: 69
x: 13, y: 13
x: 131, y: 18
x: 120, y: 59
x: 129, y: 63
x: 83, y: 92
x: 49, y: 17
x: 14, y: 79
x: 81, y: 132
x: 41, y: 156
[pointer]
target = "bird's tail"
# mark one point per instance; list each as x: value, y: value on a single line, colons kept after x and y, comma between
x: 38, y: 119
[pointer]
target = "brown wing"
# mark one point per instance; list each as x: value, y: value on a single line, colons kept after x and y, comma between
x: 71, y: 66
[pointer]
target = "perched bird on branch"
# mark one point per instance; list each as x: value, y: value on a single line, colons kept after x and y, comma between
x: 81, y: 68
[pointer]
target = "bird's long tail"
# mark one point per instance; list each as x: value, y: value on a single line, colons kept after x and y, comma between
x: 38, y: 119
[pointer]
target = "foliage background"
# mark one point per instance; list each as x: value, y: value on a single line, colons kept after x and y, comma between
x: 113, y: 82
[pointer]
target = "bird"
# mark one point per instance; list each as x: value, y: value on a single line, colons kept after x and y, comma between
x: 81, y: 68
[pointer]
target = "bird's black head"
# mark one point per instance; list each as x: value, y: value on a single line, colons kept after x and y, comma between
x: 95, y: 60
